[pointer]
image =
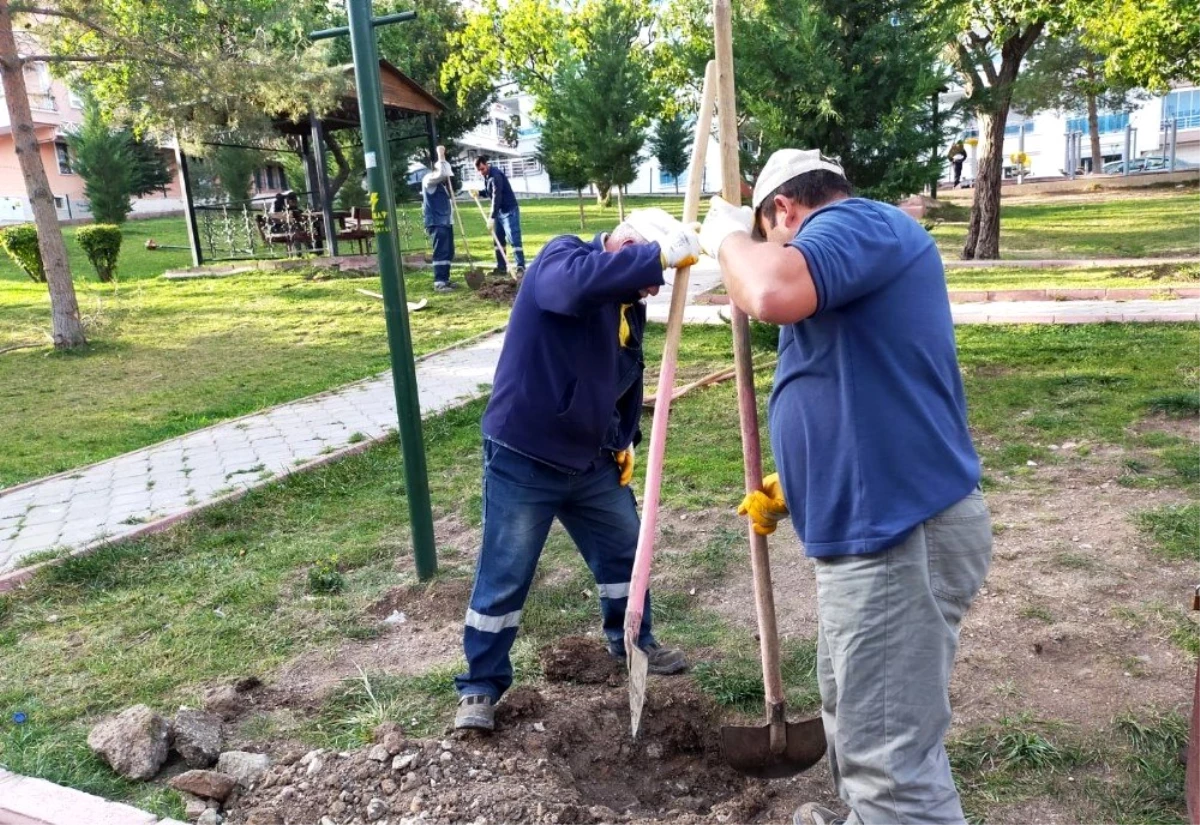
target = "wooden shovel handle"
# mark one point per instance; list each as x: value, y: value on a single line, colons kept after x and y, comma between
x: 731, y: 191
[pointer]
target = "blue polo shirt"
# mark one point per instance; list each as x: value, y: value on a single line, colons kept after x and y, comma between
x: 868, y: 417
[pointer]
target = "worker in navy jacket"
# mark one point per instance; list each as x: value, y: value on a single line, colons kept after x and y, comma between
x: 437, y: 213
x: 504, y: 221
x: 559, y: 433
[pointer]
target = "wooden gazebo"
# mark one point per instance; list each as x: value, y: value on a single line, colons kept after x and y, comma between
x: 404, y: 100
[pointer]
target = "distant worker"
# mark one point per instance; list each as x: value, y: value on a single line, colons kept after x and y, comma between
x: 439, y: 219
x: 957, y: 155
x: 505, y: 219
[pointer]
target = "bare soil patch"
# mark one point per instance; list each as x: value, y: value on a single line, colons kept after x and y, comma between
x: 1069, y: 624
x: 500, y: 290
x: 561, y: 756
x: 582, y: 661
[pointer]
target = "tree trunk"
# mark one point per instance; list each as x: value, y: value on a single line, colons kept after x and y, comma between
x: 620, y: 205
x: 66, y: 326
x: 983, y: 230
x: 582, y: 220
x: 1094, y: 134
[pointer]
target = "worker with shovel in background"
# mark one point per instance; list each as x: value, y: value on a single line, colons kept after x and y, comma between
x: 869, y: 430
x: 559, y: 434
x: 439, y: 219
x: 504, y: 220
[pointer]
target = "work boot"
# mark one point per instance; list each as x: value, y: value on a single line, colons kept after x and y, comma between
x: 519, y: 273
x: 810, y: 813
x: 663, y: 661
x: 499, y: 273
x: 475, y: 712
x: 444, y: 286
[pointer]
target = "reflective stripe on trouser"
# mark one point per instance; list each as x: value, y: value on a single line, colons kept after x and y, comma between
x: 442, y: 238
x: 508, y: 230
x: 887, y: 634
x: 521, y: 499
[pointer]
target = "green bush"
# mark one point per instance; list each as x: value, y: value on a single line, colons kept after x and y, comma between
x: 101, y: 243
x: 21, y: 244
x: 324, y: 578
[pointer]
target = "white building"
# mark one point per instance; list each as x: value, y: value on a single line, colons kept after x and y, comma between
x: 1045, y: 140
x: 512, y: 117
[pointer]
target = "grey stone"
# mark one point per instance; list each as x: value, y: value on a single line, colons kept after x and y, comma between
x: 135, y: 742
x: 209, y: 817
x: 193, y: 806
x: 404, y: 762
x: 376, y: 809
x: 206, y: 784
x: 197, y: 737
x: 314, y: 767
x: 379, y: 754
x: 326, y: 821
x: 245, y: 767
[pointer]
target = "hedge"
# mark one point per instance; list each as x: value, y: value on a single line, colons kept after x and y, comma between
x: 21, y: 244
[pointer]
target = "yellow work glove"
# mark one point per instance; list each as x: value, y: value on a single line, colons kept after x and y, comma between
x: 765, y: 507
x: 624, y: 461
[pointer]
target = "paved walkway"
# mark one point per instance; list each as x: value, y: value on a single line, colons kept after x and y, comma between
x: 27, y: 801
x: 150, y: 489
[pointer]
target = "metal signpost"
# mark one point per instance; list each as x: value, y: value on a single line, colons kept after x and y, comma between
x: 383, y: 212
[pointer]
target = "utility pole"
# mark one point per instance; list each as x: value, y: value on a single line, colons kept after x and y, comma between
x: 395, y: 307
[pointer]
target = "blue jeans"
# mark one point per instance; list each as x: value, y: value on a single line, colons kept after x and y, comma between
x: 442, y: 238
x: 521, y: 499
x: 508, y: 230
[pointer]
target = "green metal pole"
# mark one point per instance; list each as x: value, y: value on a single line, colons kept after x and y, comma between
x: 383, y: 208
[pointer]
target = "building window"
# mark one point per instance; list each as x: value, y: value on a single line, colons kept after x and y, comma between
x: 270, y: 177
x: 1184, y: 107
x: 282, y: 178
x: 1014, y: 129
x: 64, y: 158
x: 75, y: 98
x: 258, y: 180
x: 1107, y: 123
x: 58, y: 202
x: 665, y: 178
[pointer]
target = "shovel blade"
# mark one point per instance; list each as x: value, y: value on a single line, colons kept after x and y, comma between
x: 474, y: 279
x: 747, y: 749
x: 639, y: 667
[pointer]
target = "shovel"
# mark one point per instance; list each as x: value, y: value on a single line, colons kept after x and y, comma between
x: 777, y: 748
x: 495, y: 240
x: 639, y: 583
x: 473, y: 275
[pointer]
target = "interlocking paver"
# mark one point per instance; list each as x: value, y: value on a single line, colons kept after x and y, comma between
x: 119, y: 497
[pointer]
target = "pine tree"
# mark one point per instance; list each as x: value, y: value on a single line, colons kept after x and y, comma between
x: 563, y: 150
x: 670, y: 144
x: 150, y: 172
x: 101, y: 155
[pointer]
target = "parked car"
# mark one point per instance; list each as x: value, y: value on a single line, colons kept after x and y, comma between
x: 1149, y: 163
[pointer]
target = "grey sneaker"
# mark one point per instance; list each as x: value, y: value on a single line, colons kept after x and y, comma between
x: 475, y: 712
x: 664, y: 661
x: 810, y: 813
x: 444, y: 286
x: 519, y: 273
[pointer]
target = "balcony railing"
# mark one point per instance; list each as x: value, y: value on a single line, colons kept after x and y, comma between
x: 40, y: 101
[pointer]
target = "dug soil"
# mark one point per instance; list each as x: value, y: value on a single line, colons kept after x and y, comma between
x: 500, y: 290
x: 560, y: 755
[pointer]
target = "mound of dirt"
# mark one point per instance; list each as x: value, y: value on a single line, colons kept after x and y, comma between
x: 582, y: 661
x: 500, y: 290
x: 443, y: 600
x: 562, y: 758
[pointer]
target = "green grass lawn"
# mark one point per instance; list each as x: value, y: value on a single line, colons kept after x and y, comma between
x: 1163, y: 276
x: 1118, y: 226
x: 168, y: 357
x: 226, y: 595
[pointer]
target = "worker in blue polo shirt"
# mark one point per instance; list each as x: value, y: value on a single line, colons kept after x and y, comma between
x: 436, y: 210
x: 868, y: 425
x: 505, y: 218
x: 559, y: 434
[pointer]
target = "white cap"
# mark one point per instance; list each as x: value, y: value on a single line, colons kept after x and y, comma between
x: 785, y: 164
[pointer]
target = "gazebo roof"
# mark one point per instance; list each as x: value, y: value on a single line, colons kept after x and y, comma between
x: 403, y: 97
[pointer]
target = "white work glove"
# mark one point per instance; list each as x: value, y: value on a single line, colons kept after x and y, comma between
x: 722, y: 220
x: 445, y: 170
x: 679, y: 244
x: 491, y: 222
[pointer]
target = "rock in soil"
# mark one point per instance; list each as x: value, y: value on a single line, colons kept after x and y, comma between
x: 582, y: 661
x: 197, y: 737
x: 135, y: 743
x: 244, y: 767
x: 206, y: 784
x: 581, y: 769
x: 209, y: 817
x: 391, y: 736
x: 225, y: 701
